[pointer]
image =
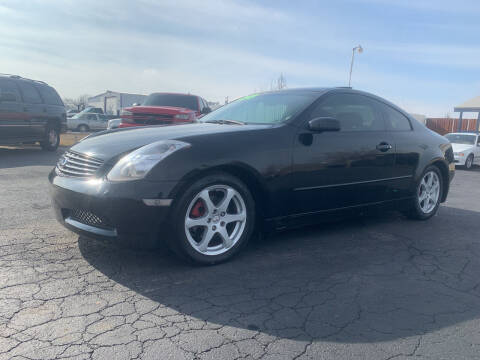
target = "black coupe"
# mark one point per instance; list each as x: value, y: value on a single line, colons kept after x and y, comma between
x: 274, y: 159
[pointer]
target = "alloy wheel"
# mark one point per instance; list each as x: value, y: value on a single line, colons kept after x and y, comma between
x: 469, y: 162
x: 429, y: 192
x: 215, y: 219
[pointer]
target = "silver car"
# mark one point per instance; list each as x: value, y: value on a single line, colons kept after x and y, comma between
x: 114, y: 123
x: 87, y: 122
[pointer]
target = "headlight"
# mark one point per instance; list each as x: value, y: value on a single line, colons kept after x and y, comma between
x: 138, y: 163
x: 182, y: 116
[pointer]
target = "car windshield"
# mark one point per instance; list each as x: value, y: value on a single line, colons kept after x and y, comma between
x: 175, y: 100
x: 262, y: 108
x: 461, y: 139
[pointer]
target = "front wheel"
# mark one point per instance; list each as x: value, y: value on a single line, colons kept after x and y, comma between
x: 469, y: 162
x: 213, y: 220
x: 428, y: 195
x: 52, y: 139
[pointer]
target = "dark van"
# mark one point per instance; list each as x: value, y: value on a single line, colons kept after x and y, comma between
x: 30, y: 111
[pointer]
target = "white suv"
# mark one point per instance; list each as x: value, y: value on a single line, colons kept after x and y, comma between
x: 466, y: 148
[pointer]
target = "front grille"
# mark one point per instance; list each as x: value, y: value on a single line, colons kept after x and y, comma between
x: 153, y: 119
x: 78, y: 165
x: 88, y: 218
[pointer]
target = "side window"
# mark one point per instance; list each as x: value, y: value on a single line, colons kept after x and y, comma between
x: 49, y: 95
x: 9, y: 91
x: 395, y: 120
x: 206, y: 104
x: 478, y: 140
x: 354, y: 112
x: 30, y: 94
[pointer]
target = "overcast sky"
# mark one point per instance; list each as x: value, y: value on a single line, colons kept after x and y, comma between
x: 423, y: 55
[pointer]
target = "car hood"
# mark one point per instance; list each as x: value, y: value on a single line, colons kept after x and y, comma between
x: 164, y: 110
x: 461, y: 147
x: 110, y: 144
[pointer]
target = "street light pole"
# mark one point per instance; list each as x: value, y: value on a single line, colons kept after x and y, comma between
x: 360, y: 50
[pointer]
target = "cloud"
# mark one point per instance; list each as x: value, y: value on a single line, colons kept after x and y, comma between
x: 469, y: 7
x: 221, y: 48
x: 447, y: 55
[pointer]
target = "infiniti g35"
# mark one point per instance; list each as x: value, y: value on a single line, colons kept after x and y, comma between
x: 266, y: 160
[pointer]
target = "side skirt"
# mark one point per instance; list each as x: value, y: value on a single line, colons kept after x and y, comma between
x: 305, y: 219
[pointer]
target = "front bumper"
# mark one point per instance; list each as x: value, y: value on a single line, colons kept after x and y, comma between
x: 460, y: 160
x: 101, y: 209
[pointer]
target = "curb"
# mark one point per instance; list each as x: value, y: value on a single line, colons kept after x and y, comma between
x: 69, y: 139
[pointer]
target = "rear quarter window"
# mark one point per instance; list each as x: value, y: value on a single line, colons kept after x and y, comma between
x: 395, y: 120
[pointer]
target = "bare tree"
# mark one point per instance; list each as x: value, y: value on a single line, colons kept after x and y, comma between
x: 279, y: 83
x: 78, y: 103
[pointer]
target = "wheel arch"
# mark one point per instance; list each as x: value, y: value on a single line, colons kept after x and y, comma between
x: 243, y: 172
x: 442, y: 166
x: 56, y: 123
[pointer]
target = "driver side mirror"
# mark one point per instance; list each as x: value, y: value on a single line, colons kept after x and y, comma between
x: 206, y: 110
x: 321, y: 124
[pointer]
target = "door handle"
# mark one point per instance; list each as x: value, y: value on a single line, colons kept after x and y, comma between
x: 384, y: 146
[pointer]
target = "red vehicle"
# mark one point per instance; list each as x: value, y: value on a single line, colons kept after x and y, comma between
x: 165, y: 108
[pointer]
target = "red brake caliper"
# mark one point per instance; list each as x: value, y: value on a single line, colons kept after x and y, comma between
x: 198, y: 210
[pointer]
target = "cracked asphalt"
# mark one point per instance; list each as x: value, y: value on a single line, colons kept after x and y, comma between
x: 380, y: 287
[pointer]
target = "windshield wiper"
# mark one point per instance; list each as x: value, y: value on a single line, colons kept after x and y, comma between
x: 225, y: 122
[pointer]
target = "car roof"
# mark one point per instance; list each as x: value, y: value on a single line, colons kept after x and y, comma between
x: 321, y: 90
x: 17, y: 77
x: 172, y: 93
x: 340, y: 89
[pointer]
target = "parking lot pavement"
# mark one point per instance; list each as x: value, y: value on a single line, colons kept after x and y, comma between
x: 373, y: 288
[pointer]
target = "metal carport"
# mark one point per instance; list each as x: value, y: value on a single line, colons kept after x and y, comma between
x: 472, y: 105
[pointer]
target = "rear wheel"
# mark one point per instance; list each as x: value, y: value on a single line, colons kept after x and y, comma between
x: 428, y: 195
x: 52, y: 138
x: 469, y: 162
x: 82, y: 128
x: 213, y: 220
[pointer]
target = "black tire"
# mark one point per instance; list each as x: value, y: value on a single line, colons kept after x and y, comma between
x: 469, y: 162
x: 415, y: 211
x: 178, y: 241
x: 52, y: 138
x: 83, y: 128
